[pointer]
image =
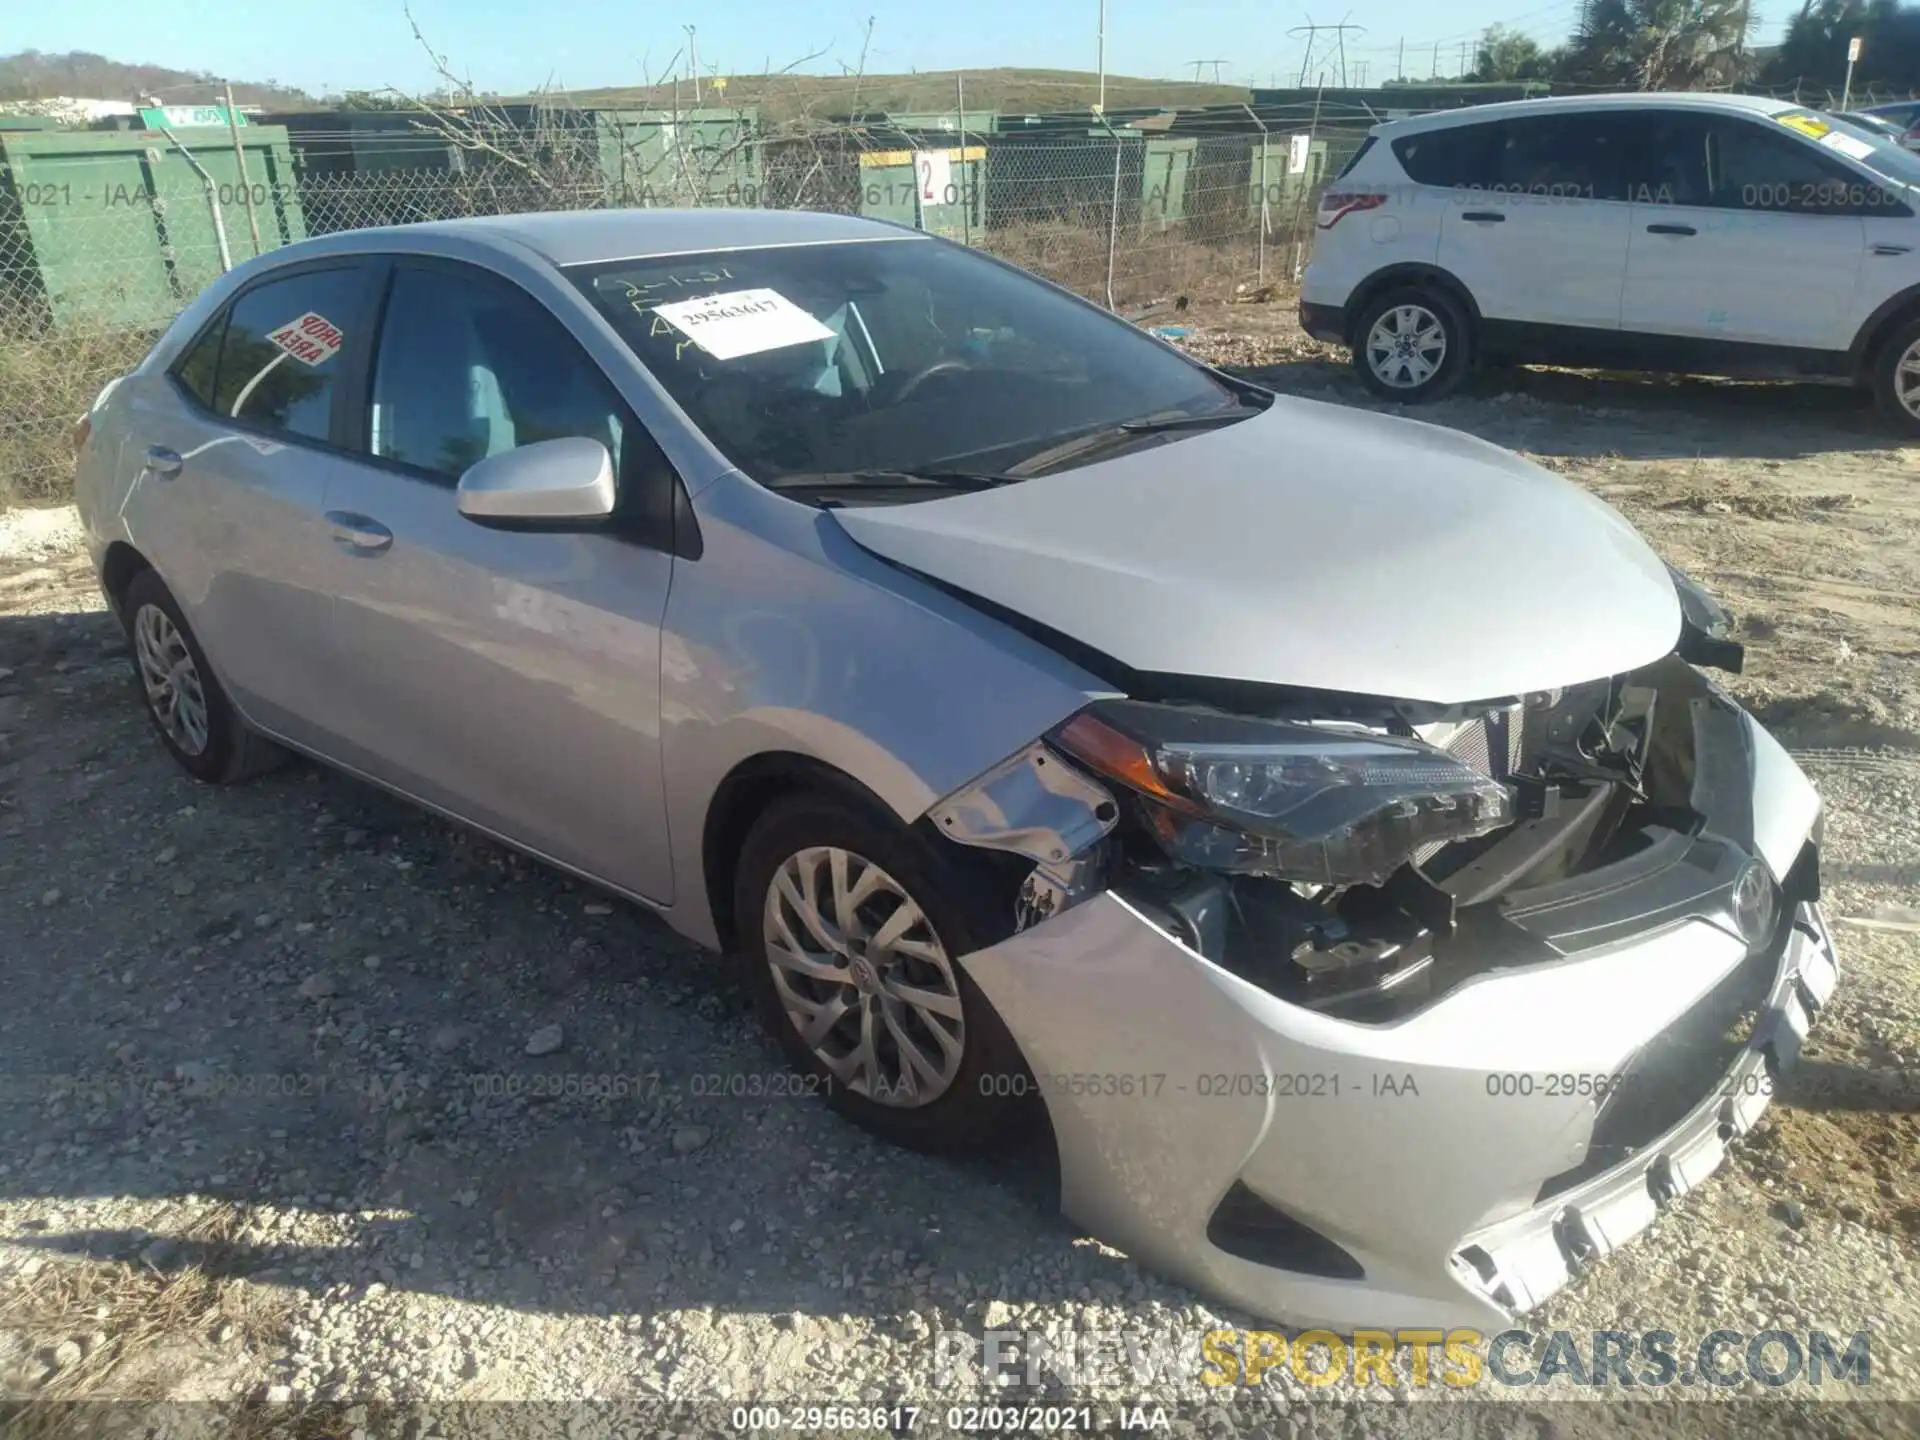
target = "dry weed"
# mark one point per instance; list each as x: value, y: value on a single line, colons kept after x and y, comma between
x: 116, y: 1311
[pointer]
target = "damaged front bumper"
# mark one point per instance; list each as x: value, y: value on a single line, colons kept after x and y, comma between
x: 1455, y: 1166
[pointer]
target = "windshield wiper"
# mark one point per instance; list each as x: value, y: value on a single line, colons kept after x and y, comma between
x: 875, y: 479
x: 1154, y: 424
x: 1244, y: 407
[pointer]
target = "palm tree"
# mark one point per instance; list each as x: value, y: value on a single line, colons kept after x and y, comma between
x: 1660, y: 44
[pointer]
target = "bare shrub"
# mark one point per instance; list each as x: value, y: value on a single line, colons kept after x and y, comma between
x: 48, y: 378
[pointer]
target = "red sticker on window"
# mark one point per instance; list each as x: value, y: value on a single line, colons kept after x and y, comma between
x: 312, y: 339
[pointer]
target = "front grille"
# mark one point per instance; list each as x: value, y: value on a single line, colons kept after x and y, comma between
x: 1678, y: 1068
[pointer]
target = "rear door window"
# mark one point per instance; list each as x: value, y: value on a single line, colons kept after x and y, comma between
x: 1458, y: 156
x: 281, y: 352
x: 1555, y: 157
x: 1665, y: 157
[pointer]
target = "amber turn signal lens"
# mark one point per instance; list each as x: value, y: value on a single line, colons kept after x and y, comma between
x: 1118, y: 757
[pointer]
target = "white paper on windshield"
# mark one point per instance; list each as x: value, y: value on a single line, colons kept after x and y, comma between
x: 1853, y: 149
x: 742, y: 322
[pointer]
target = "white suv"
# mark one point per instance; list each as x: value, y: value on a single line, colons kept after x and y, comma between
x: 1718, y: 234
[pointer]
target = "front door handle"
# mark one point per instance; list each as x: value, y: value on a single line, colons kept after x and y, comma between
x: 1671, y: 230
x: 164, y: 463
x: 1884, y: 248
x: 1485, y: 217
x: 359, y: 534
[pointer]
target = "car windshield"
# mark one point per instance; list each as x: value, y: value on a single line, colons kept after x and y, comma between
x: 896, y: 356
x: 1884, y: 155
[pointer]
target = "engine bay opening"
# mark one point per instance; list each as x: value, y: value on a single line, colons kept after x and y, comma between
x: 1363, y: 857
x: 1618, y: 828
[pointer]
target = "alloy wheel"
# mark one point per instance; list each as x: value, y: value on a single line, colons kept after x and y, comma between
x: 1407, y: 346
x: 1906, y: 380
x: 863, y: 977
x: 172, y: 680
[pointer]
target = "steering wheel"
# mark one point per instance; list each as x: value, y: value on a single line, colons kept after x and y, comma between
x: 945, y: 365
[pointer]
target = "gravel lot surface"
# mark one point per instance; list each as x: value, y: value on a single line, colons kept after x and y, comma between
x: 307, y: 1096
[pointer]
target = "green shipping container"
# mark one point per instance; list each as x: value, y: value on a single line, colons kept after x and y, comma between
x: 365, y: 142
x: 703, y: 157
x: 115, y: 229
x: 1294, y: 167
x: 1166, y: 166
x: 938, y: 189
x: 933, y: 122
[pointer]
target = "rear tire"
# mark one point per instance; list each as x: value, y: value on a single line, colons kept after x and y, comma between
x: 860, y: 1062
x: 1412, y: 344
x: 1896, y: 378
x: 182, y: 696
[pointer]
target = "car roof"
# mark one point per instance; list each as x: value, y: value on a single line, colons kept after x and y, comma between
x: 1588, y: 104
x: 581, y: 237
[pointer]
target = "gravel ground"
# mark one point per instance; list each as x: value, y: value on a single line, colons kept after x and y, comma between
x: 305, y: 1095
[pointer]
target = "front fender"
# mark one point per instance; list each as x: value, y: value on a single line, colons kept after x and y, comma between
x: 785, y: 636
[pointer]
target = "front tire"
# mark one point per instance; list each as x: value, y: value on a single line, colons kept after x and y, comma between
x: 851, y: 928
x: 1896, y: 378
x: 182, y: 695
x: 1412, y: 344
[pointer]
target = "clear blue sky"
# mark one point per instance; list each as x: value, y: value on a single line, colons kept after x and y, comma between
x: 512, y: 45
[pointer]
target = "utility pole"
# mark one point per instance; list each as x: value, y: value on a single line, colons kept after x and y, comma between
x: 1434, y: 74
x: 693, y: 62
x: 1400, y: 65
x: 1100, y: 60
x: 1461, y: 73
x: 240, y: 159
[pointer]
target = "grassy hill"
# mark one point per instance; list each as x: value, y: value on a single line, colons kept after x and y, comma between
x: 1010, y: 90
x: 35, y: 75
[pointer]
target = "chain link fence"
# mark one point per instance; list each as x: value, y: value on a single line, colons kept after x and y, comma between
x: 100, y: 252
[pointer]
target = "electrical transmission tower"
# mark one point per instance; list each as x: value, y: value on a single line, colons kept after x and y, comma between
x: 1337, y: 44
x: 1216, y: 69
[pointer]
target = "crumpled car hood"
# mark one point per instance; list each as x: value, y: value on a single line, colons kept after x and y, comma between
x: 1311, y: 546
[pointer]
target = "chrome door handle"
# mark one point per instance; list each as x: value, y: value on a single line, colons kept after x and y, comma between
x: 359, y: 534
x: 164, y: 463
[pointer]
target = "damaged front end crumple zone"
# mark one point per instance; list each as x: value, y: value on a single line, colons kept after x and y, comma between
x: 1363, y: 1013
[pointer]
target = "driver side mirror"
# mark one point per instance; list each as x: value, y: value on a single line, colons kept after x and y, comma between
x: 550, y: 485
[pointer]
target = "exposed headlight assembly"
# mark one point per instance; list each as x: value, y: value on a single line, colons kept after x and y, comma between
x: 1302, y: 802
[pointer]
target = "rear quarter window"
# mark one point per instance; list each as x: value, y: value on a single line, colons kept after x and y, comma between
x: 198, y: 368
x: 1358, y: 155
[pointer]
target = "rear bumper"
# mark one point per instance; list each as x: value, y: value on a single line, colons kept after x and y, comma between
x: 1451, y: 1168
x: 1324, y: 322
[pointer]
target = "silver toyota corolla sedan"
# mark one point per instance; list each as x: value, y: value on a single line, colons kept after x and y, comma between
x: 1322, y: 818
